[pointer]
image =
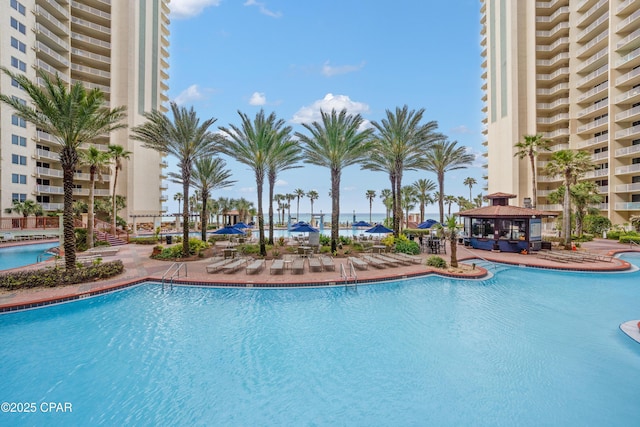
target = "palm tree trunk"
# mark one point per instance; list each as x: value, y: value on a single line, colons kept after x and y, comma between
x: 335, y: 209
x: 113, y: 203
x: 263, y: 248
x: 69, y: 243
x: 441, y: 196
x: 90, y: 215
x: 186, y: 175
x: 370, y: 208
x: 394, y: 202
x: 203, y: 218
x: 566, y: 215
x: 454, y: 250
x: 271, y: 185
x: 534, y: 190
x: 398, y: 226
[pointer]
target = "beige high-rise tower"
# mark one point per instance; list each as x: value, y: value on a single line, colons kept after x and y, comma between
x: 119, y: 46
x: 568, y: 70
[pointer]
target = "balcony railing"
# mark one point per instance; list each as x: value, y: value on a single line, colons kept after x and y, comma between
x: 628, y: 113
x: 594, y: 25
x: 40, y: 11
x: 596, y: 173
x: 634, y: 130
x: 552, y: 90
x: 555, y: 207
x: 91, y: 10
x: 562, y: 102
x: 597, y: 106
x: 46, y: 154
x: 627, y: 76
x: 549, y: 62
x: 628, y: 188
x: 54, y: 38
x: 553, y: 46
x: 602, y: 36
x: 628, y: 151
x: 631, y: 37
x: 628, y: 95
x: 41, y: 47
x: 90, y: 70
x: 592, y: 11
x: 593, y: 141
x: 555, y: 134
x: 592, y: 75
x: 625, y: 22
x: 92, y: 25
x: 628, y: 57
x: 563, y: 10
x: 603, y: 53
x: 90, y: 40
x: 628, y: 169
x: 631, y: 206
x: 592, y: 92
x: 592, y: 125
x: 559, y: 72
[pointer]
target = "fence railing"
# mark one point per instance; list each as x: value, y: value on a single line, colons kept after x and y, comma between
x: 30, y: 223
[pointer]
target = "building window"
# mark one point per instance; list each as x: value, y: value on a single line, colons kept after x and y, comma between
x: 15, y: 4
x: 18, y: 121
x: 19, y: 100
x: 18, y: 197
x: 18, y: 179
x: 17, y: 159
x: 18, y: 25
x: 20, y: 65
x: 19, y: 140
x: 18, y: 45
x: 43, y: 199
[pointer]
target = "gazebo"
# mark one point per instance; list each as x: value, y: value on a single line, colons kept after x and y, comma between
x: 505, y: 228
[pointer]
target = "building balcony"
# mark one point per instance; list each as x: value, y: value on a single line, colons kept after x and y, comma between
x: 561, y: 29
x: 46, y: 154
x: 555, y: 90
x: 603, y: 189
x: 599, y: 157
x: 630, y: 206
x: 559, y: 58
x: 95, y: 30
x: 557, y: 134
x: 103, y: 88
x: 630, y: 23
x: 594, y: 126
x: 50, y: 39
x: 553, y: 208
x: 590, y: 16
x: 629, y: 133
x: 630, y: 78
x: 596, y: 109
x: 598, y: 140
x: 600, y: 206
x: 550, y: 5
x: 550, y: 178
x: 90, y: 72
x: 55, y: 9
x: 553, y: 120
x: 630, y: 96
x: 598, y: 25
x: 91, y: 58
x: 562, y: 103
x: 593, y: 94
x: 630, y: 115
x: 629, y: 42
x: 560, y: 44
x: 593, y: 78
x: 621, y: 10
x: 52, y: 206
x: 90, y: 42
x: 632, y: 59
x: 91, y: 13
x: 50, y: 21
x: 560, y: 14
x: 50, y: 56
x: 592, y: 47
x: 630, y: 151
x: 42, y: 65
x: 559, y: 73
x: 594, y: 62
x: 584, y: 5
x: 628, y: 188
x: 598, y: 173
x: 629, y: 169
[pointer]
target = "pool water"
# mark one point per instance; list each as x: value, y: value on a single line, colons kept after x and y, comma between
x: 527, y: 347
x: 19, y: 256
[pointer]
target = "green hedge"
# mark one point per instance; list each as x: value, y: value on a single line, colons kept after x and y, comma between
x: 57, y: 276
x: 436, y: 261
x: 629, y: 239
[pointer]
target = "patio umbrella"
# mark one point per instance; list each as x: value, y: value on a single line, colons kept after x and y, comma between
x: 228, y: 230
x: 304, y: 228
x: 361, y: 224
x: 379, y: 229
x: 427, y: 224
x: 240, y: 225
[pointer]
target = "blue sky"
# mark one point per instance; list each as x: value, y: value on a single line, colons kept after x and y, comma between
x: 296, y: 57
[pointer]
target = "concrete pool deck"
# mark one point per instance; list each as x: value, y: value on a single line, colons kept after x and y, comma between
x: 139, y: 267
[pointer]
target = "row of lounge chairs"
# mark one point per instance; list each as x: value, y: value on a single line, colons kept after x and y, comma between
x: 383, y: 260
x: 568, y: 256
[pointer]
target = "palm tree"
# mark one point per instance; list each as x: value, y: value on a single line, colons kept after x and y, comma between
x: 250, y: 144
x: 470, y: 182
x: 289, y: 198
x: 570, y: 165
x: 186, y: 139
x: 117, y: 154
x: 208, y: 174
x: 477, y: 201
x: 243, y: 206
x: 72, y: 115
x: 409, y: 197
x: 312, y: 195
x: 452, y: 233
x: 277, y: 198
x: 178, y: 197
x: 400, y: 146
x: 370, y: 195
x: 423, y: 188
x: 299, y: 193
x: 530, y: 147
x: 443, y: 157
x: 386, y: 197
x: 96, y: 160
x: 336, y: 143
x: 26, y: 208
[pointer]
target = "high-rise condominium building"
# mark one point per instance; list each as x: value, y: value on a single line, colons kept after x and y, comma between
x: 118, y: 46
x: 568, y: 70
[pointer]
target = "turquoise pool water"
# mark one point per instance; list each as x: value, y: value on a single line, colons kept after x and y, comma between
x: 527, y: 347
x: 18, y: 256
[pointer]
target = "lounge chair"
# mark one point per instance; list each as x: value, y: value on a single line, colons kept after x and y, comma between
x: 388, y: 260
x: 233, y: 266
x: 255, y: 266
x: 399, y: 259
x: 277, y: 267
x: 358, y: 263
x: 327, y: 263
x: 297, y: 267
x: 218, y: 265
x: 412, y: 258
x: 552, y: 256
x: 377, y: 263
x: 315, y: 264
x: 103, y: 250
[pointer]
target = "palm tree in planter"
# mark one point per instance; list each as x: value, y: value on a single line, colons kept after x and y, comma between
x: 452, y: 234
x: 530, y: 148
x: 96, y: 160
x: 183, y: 137
x: 73, y: 115
x: 117, y: 154
x: 386, y: 197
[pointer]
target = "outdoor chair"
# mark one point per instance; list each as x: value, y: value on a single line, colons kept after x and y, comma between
x: 277, y: 267
x: 371, y: 260
x: 217, y: 266
x: 327, y: 263
x: 358, y: 263
x: 315, y: 264
x: 255, y: 266
x: 233, y: 266
x: 297, y: 267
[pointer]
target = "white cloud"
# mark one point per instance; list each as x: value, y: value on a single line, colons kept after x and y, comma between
x: 478, y: 158
x: 247, y: 190
x: 330, y: 71
x: 190, y: 94
x: 263, y: 8
x: 309, y: 114
x: 184, y: 9
x: 258, y: 98
x: 281, y: 183
x: 349, y: 188
x: 461, y: 129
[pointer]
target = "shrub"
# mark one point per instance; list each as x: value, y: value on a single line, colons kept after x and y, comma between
x: 325, y: 249
x: 144, y: 240
x: 596, y: 224
x: 195, y: 247
x: 629, y: 239
x: 357, y: 246
x: 58, y: 276
x: 614, y: 234
x: 408, y: 247
x: 436, y: 261
x: 345, y: 240
x: 325, y: 240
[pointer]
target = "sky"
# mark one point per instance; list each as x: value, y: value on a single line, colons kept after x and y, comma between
x: 295, y: 58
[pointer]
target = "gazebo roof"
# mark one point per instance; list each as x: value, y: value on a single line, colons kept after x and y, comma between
x: 505, y: 212
x: 500, y: 196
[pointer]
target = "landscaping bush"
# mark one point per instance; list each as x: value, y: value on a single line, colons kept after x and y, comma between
x: 195, y: 247
x: 345, y: 240
x: 596, y: 224
x: 407, y: 247
x: 436, y: 261
x: 325, y: 240
x: 144, y: 240
x: 629, y: 238
x: 614, y: 234
x: 57, y: 276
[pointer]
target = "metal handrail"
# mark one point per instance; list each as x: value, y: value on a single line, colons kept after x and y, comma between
x: 352, y: 272
x: 495, y: 266
x: 174, y: 269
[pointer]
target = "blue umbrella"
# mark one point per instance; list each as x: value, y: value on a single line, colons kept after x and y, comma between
x: 379, y: 228
x: 228, y: 230
x: 304, y: 228
x: 427, y: 224
x: 240, y: 225
x: 361, y: 224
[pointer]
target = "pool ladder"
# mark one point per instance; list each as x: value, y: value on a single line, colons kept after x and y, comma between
x: 352, y: 274
x: 172, y: 272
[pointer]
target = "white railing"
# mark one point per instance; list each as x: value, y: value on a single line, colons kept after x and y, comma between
x: 628, y: 188
x: 598, y: 105
x: 591, y: 27
x: 628, y: 94
x: 554, y: 119
x: 602, y: 70
x: 550, y: 33
x: 593, y: 141
x: 596, y: 173
x: 631, y: 206
x: 95, y: 56
x: 549, y: 62
x: 562, y: 102
x: 624, y: 5
x: 41, y: 29
x: 92, y: 25
x: 90, y: 40
x: 628, y: 132
x: 91, y: 10
x: 628, y: 57
x: 559, y: 72
x: 625, y: 151
x: 52, y: 19
x: 46, y: 154
x: 628, y: 20
x: 599, y: 156
x: 553, y: 46
x: 90, y: 70
x: 631, y: 37
x: 552, y: 90
x: 554, y: 16
x: 555, y: 134
x: 628, y: 169
x: 594, y: 124
x: 603, y: 35
x: 555, y: 207
x: 594, y: 58
x: 592, y: 92
x: 52, y: 53
x: 627, y: 76
x: 592, y: 11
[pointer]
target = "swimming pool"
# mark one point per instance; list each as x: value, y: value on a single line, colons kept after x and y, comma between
x: 526, y: 347
x: 18, y: 256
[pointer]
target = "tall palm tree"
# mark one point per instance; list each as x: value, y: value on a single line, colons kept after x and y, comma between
x: 571, y: 165
x: 96, y: 160
x: 450, y: 200
x: 117, y: 154
x: 178, y: 197
x: 250, y: 144
x: 72, y: 115
x: 445, y: 156
x: 470, y: 182
x: 312, y: 195
x: 386, y: 197
x: 452, y: 233
x: 208, y: 174
x: 289, y: 198
x: 243, y: 206
x: 186, y: 139
x: 401, y: 143
x: 370, y: 195
x: 409, y: 197
x: 336, y: 143
x: 299, y: 193
x: 423, y: 188
x: 530, y: 147
x: 26, y: 208
x: 278, y: 199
